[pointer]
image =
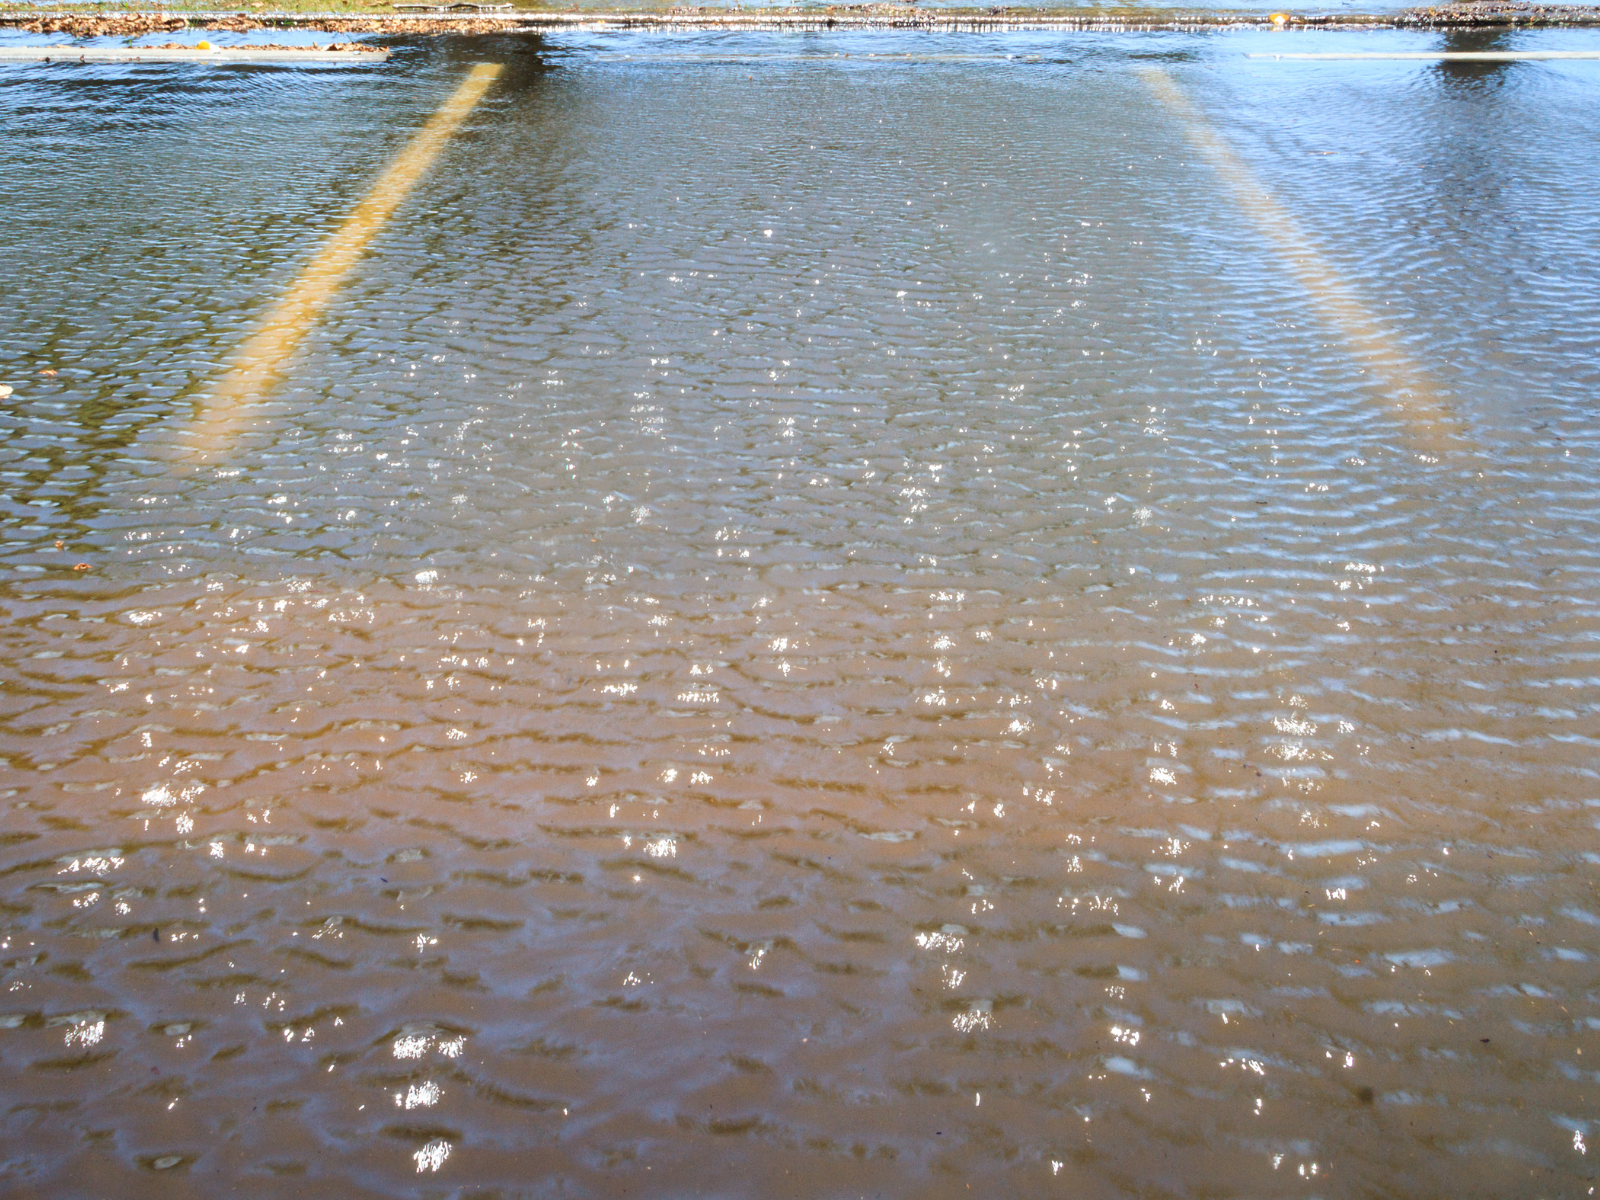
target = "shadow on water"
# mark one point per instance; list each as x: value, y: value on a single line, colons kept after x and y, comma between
x: 1463, y: 157
x: 1469, y: 74
x: 524, y: 55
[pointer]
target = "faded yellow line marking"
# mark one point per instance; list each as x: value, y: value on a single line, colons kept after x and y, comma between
x: 261, y: 359
x: 1406, y: 382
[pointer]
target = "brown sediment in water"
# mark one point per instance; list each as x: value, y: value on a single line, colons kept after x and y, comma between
x: 851, y: 16
x: 768, y: 666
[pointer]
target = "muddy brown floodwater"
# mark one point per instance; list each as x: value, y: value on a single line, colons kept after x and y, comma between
x: 1018, y: 621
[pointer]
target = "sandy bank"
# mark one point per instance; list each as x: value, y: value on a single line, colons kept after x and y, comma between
x: 849, y: 16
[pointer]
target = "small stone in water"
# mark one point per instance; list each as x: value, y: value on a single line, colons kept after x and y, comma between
x: 167, y: 1161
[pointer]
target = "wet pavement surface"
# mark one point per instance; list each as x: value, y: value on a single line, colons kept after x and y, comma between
x: 1018, y: 620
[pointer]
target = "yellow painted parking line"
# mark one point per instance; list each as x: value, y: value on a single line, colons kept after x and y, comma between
x: 261, y: 360
x: 1336, y: 301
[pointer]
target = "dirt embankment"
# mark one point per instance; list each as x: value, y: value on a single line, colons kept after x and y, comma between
x: 139, y: 24
x: 134, y: 26
x: 1464, y: 14
x: 1477, y: 14
x: 348, y: 47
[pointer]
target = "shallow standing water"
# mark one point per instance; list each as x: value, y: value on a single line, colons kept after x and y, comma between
x: 806, y: 625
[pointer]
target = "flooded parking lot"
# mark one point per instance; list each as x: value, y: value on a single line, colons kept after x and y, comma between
x: 803, y: 621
